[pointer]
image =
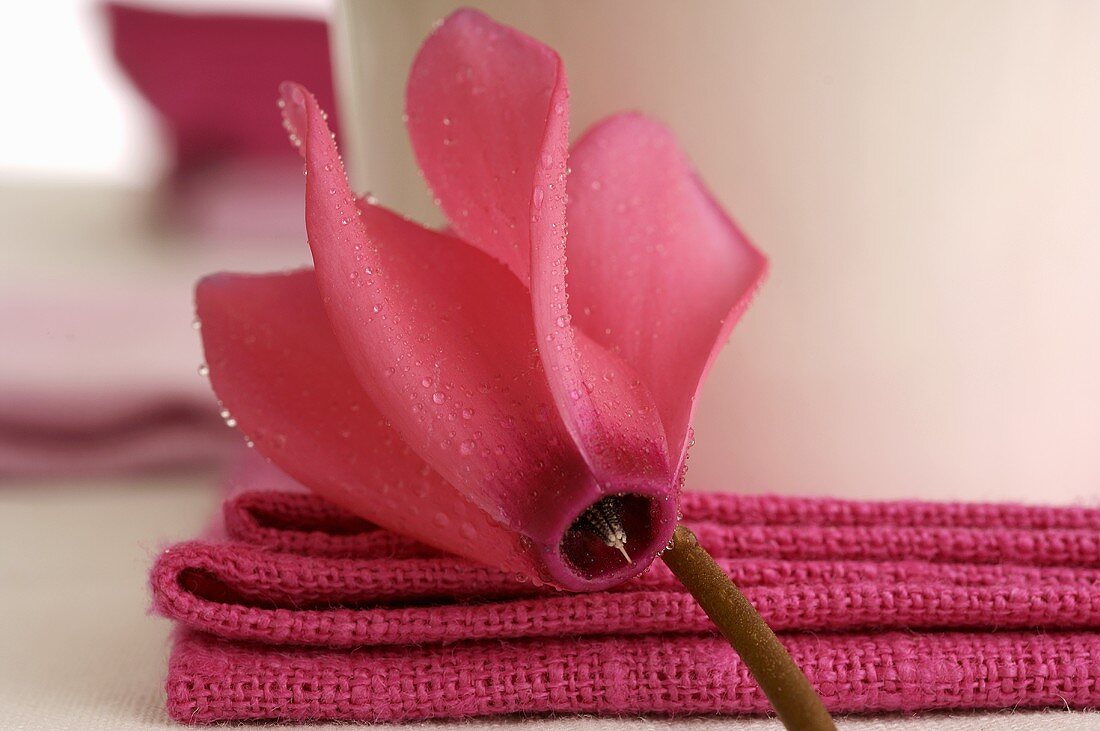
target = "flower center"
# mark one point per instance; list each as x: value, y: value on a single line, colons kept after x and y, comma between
x: 610, y: 534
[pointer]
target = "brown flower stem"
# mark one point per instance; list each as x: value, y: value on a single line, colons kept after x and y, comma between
x: 794, y: 699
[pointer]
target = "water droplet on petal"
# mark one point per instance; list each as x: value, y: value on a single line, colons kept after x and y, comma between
x: 467, y: 447
x: 438, y: 397
x: 204, y: 370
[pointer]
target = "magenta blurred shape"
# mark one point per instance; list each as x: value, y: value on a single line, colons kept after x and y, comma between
x: 214, y: 77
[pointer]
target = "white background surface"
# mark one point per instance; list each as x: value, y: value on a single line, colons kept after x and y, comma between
x: 69, y: 111
x: 79, y: 651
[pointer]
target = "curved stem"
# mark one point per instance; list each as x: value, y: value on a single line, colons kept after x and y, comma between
x: 794, y: 699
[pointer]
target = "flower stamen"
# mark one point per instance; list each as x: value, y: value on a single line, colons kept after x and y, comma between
x: 604, y: 519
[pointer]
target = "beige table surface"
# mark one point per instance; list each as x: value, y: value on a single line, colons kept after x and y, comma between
x: 79, y: 650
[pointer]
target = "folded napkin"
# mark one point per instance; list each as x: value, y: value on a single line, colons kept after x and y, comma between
x: 295, y: 610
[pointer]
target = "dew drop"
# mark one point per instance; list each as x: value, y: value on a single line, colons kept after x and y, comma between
x: 438, y: 397
x: 204, y: 370
x: 538, y: 196
x: 467, y: 413
x: 441, y: 520
x: 196, y: 324
x: 468, y: 531
x: 467, y: 447
x: 426, y: 382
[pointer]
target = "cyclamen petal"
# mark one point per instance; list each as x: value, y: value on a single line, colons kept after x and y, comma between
x: 477, y: 102
x: 658, y: 272
x: 488, y: 115
x: 275, y: 363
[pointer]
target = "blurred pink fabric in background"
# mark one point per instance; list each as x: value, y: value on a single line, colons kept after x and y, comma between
x: 212, y: 78
x: 99, y: 368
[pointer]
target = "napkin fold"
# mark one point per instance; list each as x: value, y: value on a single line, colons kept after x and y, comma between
x: 294, y: 610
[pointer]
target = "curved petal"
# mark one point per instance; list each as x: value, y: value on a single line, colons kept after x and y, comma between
x: 282, y: 378
x: 659, y: 274
x: 488, y: 115
x: 441, y: 338
x: 476, y: 102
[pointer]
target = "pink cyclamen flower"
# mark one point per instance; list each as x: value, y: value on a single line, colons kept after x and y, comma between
x: 444, y: 384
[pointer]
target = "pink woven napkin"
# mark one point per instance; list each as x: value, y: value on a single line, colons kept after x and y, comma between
x: 299, y: 611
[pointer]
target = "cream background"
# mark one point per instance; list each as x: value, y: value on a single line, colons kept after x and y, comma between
x: 925, y: 177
